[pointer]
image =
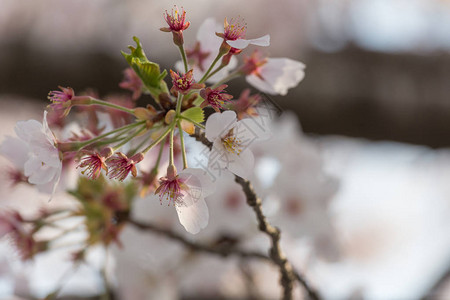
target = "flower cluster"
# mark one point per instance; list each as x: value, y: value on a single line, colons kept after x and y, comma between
x: 121, y: 149
x: 116, y: 149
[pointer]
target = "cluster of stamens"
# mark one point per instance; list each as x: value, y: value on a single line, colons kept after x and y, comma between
x: 232, y: 143
x: 234, y: 30
x: 170, y: 189
x: 177, y: 19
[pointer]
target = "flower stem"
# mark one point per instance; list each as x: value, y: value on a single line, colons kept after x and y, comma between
x: 126, y: 127
x: 135, y: 150
x: 109, y: 104
x: 206, y: 75
x: 129, y: 138
x: 216, y: 70
x: 183, y: 149
x: 179, y: 102
x: 158, y: 160
x: 230, y: 76
x: 159, y: 139
x: 171, y: 148
x: 183, y: 56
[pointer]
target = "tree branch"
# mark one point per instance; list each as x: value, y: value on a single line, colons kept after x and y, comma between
x: 287, y: 274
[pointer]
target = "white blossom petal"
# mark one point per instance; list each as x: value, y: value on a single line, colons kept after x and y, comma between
x: 242, y: 165
x: 279, y: 74
x: 219, y: 124
x: 43, y: 166
x: 47, y: 131
x: 37, y: 172
x: 28, y: 130
x: 15, y: 150
x: 255, y: 128
x: 194, y: 217
x: 199, y: 178
x: 263, y: 41
x: 207, y: 37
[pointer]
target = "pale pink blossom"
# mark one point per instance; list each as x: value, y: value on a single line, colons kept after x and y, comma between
x: 231, y: 140
x: 36, y: 153
x: 234, y: 32
x: 187, y: 191
x: 273, y: 75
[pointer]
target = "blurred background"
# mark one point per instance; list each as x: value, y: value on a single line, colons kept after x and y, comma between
x: 375, y: 99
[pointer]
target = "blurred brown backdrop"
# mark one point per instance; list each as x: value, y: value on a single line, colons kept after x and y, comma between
x: 379, y: 71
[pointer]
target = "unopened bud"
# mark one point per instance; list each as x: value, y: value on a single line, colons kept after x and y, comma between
x: 170, y: 116
x: 107, y: 152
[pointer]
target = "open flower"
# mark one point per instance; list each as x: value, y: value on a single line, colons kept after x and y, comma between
x: 93, y: 162
x: 231, y: 140
x: 177, y: 23
x: 234, y: 33
x: 273, y: 75
x: 36, y: 153
x: 61, y: 100
x: 215, y: 97
x: 120, y: 165
x: 184, y: 83
x: 187, y: 191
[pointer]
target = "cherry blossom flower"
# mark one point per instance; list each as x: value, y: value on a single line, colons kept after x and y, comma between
x: 132, y: 82
x: 177, y: 23
x: 205, y: 50
x: 61, y: 99
x: 120, y: 165
x: 273, y: 75
x: 300, y: 190
x: 93, y: 162
x: 230, y: 215
x: 36, y: 153
x: 187, y: 191
x: 245, y: 105
x: 176, y: 20
x: 234, y: 33
x: 184, y: 83
x: 215, y: 97
x: 231, y: 139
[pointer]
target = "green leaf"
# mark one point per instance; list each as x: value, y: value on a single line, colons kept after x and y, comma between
x: 194, y: 114
x: 148, y: 71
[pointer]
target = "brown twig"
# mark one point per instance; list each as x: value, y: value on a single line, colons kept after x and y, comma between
x: 287, y: 272
x: 433, y: 292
